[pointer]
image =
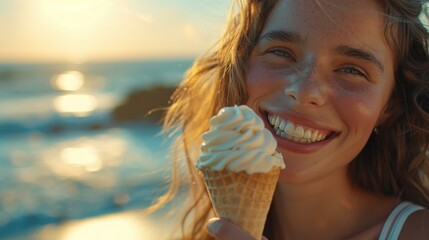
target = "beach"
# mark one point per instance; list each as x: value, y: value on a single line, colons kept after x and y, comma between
x: 69, y: 167
x: 127, y: 225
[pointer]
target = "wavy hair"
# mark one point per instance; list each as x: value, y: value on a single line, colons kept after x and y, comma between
x: 394, y: 161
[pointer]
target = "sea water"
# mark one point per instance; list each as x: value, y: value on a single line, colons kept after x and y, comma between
x: 61, y: 155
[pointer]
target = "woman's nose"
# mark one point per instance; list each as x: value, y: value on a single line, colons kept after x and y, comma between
x: 306, y: 88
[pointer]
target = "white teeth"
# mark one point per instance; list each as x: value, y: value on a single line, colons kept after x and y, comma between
x: 307, y: 134
x: 290, y: 128
x: 314, y: 136
x: 271, y: 119
x: 296, y: 133
x: 277, y: 122
x: 282, y: 125
x: 299, y: 132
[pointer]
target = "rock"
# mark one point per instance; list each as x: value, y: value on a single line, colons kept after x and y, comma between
x: 143, y: 105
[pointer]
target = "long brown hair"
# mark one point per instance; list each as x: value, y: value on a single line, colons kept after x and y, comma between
x: 393, y: 162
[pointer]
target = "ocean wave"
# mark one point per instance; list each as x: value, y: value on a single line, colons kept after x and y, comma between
x: 55, y: 123
x: 132, y: 198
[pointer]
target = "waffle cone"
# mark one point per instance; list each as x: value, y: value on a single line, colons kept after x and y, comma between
x: 242, y: 198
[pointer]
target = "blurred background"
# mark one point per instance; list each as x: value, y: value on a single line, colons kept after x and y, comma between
x: 80, y: 157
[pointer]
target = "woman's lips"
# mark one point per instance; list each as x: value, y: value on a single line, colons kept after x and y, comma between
x: 296, y: 132
x: 297, y: 137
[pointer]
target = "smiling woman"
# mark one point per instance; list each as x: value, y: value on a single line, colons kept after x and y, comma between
x: 343, y: 87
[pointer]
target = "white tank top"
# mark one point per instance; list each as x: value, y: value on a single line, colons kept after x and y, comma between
x: 394, y: 223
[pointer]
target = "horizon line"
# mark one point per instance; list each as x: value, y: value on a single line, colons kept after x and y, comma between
x: 97, y: 60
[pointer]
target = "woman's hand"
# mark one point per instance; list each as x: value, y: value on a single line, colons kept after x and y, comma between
x: 225, y: 230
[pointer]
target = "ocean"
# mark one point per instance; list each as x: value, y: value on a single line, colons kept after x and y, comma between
x: 62, y: 158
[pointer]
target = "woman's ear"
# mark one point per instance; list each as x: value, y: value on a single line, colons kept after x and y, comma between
x: 382, y: 118
x: 391, y: 110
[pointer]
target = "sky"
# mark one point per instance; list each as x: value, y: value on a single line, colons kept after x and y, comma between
x: 92, y: 30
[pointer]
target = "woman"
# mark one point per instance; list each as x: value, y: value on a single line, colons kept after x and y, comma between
x: 355, y: 74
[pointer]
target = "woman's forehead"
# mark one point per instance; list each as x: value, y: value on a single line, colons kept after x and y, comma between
x: 331, y: 20
x: 330, y: 25
x: 328, y: 12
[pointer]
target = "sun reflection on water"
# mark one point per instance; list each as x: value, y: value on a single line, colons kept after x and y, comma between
x: 129, y: 226
x: 79, y: 158
x: 114, y: 227
x: 68, y: 81
x: 85, y: 157
x: 76, y: 104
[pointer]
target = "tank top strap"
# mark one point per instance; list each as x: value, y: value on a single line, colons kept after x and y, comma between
x: 394, y: 223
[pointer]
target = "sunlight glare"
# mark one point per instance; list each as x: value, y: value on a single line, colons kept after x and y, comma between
x: 75, y: 17
x: 114, y: 227
x: 86, y: 157
x: 69, y: 81
x: 77, y: 104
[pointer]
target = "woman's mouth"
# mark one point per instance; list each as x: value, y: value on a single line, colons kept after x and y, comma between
x: 297, y: 133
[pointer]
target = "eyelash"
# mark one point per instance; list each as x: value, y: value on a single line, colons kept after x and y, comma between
x: 353, y: 71
x: 348, y: 70
x: 281, y: 53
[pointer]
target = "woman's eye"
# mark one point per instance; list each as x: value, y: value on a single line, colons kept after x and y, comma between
x: 281, y: 53
x: 354, y: 71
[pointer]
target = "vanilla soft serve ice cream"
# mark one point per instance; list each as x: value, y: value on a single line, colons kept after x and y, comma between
x: 238, y: 141
x: 241, y: 167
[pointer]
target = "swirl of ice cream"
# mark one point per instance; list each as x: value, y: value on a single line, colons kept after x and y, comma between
x: 238, y: 141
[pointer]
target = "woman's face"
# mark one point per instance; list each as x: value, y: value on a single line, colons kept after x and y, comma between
x: 320, y: 76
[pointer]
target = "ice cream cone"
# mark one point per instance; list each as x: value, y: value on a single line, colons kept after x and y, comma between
x: 242, y: 198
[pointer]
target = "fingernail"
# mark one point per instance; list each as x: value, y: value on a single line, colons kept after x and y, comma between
x: 213, y: 226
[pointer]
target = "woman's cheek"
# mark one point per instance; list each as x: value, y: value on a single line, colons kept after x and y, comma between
x: 359, y: 110
x: 261, y: 81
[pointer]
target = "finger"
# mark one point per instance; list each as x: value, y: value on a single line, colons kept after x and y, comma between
x: 225, y: 230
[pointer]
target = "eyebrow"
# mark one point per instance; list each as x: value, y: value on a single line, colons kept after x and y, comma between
x: 293, y: 37
x: 359, y: 53
x: 283, y: 36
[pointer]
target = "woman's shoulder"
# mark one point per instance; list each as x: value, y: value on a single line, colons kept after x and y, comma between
x: 416, y: 226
